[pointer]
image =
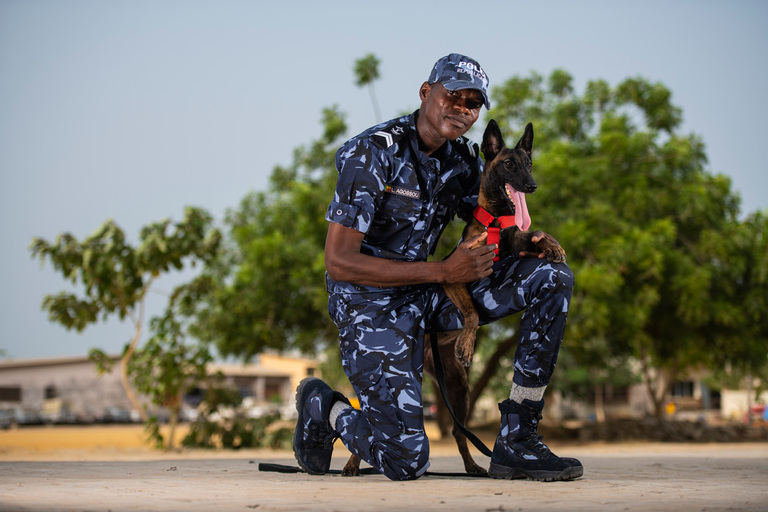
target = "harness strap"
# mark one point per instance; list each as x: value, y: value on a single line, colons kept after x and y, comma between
x: 494, y: 232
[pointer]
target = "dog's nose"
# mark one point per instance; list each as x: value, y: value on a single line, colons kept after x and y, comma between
x: 531, y: 188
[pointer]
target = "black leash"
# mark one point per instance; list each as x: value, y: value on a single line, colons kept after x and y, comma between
x: 282, y: 468
x: 440, y: 374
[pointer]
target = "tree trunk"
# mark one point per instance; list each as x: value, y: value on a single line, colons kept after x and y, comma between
x: 600, y: 403
x: 173, y: 421
x: 658, y: 388
x: 124, y: 365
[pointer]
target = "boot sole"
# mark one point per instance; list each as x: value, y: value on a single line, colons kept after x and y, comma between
x: 503, y: 472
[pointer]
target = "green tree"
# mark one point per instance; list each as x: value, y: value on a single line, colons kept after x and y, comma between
x: 115, y: 278
x: 270, y: 292
x: 630, y: 199
x: 367, y: 72
x: 738, y: 286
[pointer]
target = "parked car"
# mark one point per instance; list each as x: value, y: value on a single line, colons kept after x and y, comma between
x: 6, y: 419
x: 27, y: 417
x: 60, y: 417
x: 116, y: 415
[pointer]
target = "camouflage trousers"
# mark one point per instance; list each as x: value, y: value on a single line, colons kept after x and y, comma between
x: 382, y: 334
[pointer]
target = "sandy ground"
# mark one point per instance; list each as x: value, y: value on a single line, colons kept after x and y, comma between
x: 111, y: 469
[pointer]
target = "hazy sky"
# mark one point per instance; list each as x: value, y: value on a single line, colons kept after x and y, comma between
x: 133, y: 109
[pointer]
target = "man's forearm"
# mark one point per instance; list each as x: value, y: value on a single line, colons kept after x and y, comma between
x: 372, y: 271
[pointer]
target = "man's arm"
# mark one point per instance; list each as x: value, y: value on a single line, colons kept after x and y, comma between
x: 345, y: 262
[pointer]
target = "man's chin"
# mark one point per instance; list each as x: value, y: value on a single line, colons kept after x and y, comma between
x: 452, y: 131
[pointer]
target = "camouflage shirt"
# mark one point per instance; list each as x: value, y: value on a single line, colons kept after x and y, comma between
x: 399, y: 197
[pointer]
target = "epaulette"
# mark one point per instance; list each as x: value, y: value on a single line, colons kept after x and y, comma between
x: 389, y: 135
x: 466, y: 148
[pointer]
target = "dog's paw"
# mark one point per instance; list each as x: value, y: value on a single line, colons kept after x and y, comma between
x: 550, y: 247
x: 556, y: 254
x: 465, y: 348
x: 472, y: 468
x: 351, y: 468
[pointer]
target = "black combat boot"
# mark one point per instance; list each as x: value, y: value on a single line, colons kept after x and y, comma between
x: 314, y: 435
x: 519, y: 451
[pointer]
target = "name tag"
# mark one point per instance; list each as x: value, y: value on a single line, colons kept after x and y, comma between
x: 400, y: 191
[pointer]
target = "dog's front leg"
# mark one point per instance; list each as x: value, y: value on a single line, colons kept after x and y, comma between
x: 465, y: 346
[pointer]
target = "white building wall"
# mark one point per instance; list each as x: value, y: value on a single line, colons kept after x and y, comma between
x: 74, y: 381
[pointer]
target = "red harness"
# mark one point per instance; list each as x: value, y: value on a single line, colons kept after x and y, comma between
x: 486, y: 219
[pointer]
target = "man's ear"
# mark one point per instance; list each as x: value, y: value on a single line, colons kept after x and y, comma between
x: 424, y: 91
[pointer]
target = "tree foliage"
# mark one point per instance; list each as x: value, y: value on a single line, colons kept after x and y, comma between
x: 632, y: 202
x: 366, y: 73
x: 271, y: 290
x: 115, y: 277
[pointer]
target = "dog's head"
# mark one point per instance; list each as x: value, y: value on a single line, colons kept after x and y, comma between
x: 508, y: 174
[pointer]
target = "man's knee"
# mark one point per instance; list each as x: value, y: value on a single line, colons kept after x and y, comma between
x: 547, y: 277
x: 405, y: 460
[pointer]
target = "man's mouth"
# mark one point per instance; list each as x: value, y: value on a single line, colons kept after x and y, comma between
x: 456, y: 121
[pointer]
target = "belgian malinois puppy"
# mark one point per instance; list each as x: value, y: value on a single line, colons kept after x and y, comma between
x: 502, y: 212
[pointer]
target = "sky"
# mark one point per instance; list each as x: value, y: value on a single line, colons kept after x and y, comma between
x: 132, y: 110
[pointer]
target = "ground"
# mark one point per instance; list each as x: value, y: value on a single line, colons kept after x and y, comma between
x: 111, y: 468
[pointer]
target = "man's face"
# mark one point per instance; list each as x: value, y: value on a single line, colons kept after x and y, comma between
x: 448, y: 114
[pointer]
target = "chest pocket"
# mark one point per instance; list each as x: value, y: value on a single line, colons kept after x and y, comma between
x: 448, y: 201
x: 397, y: 223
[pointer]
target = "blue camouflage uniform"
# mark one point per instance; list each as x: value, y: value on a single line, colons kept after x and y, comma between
x: 402, y: 200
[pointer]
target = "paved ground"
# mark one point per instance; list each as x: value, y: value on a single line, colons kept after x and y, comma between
x: 636, y: 477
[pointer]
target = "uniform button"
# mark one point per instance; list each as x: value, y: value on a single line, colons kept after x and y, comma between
x: 339, y: 212
x: 370, y: 377
x: 346, y: 343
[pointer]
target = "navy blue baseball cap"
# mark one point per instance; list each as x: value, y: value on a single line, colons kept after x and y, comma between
x: 457, y: 72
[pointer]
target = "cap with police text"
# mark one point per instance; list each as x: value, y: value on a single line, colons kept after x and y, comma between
x: 457, y: 72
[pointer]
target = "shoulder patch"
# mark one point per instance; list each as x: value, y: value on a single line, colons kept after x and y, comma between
x: 388, y: 136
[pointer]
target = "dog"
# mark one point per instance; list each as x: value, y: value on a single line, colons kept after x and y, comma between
x: 507, y: 177
x: 501, y: 207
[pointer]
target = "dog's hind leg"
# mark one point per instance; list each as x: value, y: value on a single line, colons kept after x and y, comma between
x: 352, y: 467
x: 457, y: 389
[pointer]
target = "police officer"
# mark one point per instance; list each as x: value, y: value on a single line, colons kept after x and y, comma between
x: 400, y: 183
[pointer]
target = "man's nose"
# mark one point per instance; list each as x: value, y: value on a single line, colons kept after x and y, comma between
x: 461, y: 106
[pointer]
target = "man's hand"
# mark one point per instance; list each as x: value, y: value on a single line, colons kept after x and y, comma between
x: 472, y: 260
x: 549, y: 247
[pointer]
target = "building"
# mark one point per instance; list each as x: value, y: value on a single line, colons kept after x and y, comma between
x: 73, y: 385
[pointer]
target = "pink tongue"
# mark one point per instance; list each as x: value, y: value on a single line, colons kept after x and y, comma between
x: 522, y: 218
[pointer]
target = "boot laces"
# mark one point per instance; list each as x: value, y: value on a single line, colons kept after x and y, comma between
x: 319, y: 436
x: 535, y: 440
x: 536, y: 444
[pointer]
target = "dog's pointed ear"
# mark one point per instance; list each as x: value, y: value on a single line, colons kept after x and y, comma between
x: 526, y: 141
x: 493, y: 142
